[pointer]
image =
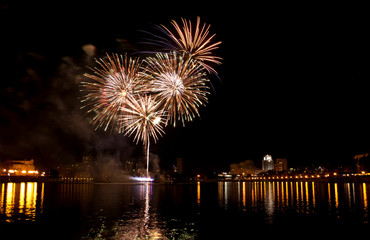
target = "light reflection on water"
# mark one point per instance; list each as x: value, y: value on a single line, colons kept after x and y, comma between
x: 21, y: 201
x: 143, y: 224
x: 143, y: 213
x: 178, y: 211
x: 339, y: 200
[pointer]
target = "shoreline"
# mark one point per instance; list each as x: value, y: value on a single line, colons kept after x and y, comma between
x: 334, y: 179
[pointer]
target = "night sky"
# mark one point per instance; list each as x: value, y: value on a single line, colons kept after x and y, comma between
x: 294, y: 82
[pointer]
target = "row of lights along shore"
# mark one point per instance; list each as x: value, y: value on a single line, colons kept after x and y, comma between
x: 13, y: 172
x: 300, y: 176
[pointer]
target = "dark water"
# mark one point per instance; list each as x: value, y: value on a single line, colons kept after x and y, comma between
x: 223, y: 210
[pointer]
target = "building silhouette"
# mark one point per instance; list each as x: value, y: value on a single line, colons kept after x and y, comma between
x: 362, y: 162
x: 244, y: 168
x: 81, y: 169
x: 281, y: 165
x: 179, y: 167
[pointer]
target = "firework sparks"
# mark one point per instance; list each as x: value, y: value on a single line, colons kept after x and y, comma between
x: 196, y: 44
x: 143, y: 118
x: 178, y: 84
x: 115, y: 79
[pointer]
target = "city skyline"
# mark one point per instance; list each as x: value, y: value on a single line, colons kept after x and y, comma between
x: 292, y: 84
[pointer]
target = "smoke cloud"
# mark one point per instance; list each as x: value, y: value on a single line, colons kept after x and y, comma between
x: 41, y: 116
x: 111, y: 152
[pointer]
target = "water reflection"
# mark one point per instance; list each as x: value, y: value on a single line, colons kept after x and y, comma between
x: 21, y: 201
x: 140, y: 224
x: 140, y: 217
x: 338, y: 200
x: 179, y: 211
x: 198, y: 194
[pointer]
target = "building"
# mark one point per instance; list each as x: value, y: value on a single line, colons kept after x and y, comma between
x: 81, y: 169
x: 19, y: 168
x: 281, y: 165
x: 362, y: 162
x: 179, y: 167
x: 128, y: 166
x: 224, y: 176
x: 244, y: 168
x: 268, y: 163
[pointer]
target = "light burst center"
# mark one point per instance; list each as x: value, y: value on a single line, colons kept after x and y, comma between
x: 175, y: 83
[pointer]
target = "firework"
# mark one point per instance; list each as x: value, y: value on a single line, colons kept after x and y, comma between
x: 142, y: 117
x: 179, y: 85
x: 139, y: 98
x: 194, y: 43
x: 115, y: 79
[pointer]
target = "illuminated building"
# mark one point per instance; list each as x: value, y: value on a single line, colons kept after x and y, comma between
x: 281, y: 165
x: 19, y: 168
x: 267, y: 163
x: 224, y: 176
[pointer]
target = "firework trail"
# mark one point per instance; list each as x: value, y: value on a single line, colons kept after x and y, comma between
x: 196, y: 43
x: 143, y: 118
x: 178, y: 84
x: 115, y: 79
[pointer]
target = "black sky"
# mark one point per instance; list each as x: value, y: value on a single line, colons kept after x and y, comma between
x: 294, y: 80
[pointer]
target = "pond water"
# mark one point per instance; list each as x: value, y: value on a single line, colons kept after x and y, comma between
x: 218, y: 210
